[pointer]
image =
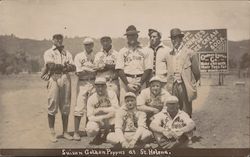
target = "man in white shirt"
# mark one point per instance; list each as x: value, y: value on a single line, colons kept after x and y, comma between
x: 105, y: 60
x: 101, y: 109
x: 58, y: 63
x: 134, y: 65
x: 159, y: 52
x: 86, y: 72
x: 172, y: 127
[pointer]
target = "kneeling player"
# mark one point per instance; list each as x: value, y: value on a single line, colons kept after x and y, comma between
x: 101, y: 108
x: 172, y: 127
x: 130, y: 125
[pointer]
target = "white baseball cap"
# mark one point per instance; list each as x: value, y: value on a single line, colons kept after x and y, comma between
x: 155, y: 78
x: 88, y: 40
x: 172, y: 100
x: 129, y: 94
x: 100, y: 80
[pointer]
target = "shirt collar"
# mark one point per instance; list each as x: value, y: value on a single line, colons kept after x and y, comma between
x: 179, y: 48
x: 166, y: 112
x: 109, y: 52
x: 138, y: 46
x: 157, y: 47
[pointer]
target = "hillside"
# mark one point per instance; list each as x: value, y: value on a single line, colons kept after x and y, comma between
x: 36, y: 48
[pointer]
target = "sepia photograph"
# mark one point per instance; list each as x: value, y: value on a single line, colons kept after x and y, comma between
x: 124, y: 78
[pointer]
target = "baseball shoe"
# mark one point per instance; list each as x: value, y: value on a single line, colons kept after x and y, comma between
x: 53, y: 137
x: 67, y: 136
x: 76, y: 137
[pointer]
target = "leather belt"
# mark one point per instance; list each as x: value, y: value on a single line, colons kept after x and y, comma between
x: 133, y: 76
x: 87, y: 79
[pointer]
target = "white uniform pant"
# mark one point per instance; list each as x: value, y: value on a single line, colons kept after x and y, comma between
x: 93, y: 128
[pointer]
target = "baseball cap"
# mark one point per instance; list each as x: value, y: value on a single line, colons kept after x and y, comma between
x: 155, y: 78
x: 100, y: 81
x: 172, y: 100
x: 88, y: 41
x: 129, y: 94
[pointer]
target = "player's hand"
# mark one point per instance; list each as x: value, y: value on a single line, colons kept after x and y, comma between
x: 132, y: 143
x: 167, y: 134
x: 125, y: 144
x: 131, y: 87
x: 138, y: 87
x: 155, y: 110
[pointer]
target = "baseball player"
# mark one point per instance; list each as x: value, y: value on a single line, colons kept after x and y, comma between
x: 134, y: 65
x: 184, y: 71
x: 86, y: 72
x: 160, y: 54
x: 105, y: 60
x: 58, y: 63
x: 130, y: 125
x: 172, y: 127
x: 101, y: 108
x: 152, y: 99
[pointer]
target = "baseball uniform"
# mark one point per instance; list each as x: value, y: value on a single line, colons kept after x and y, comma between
x: 59, y: 84
x: 85, y: 83
x: 109, y: 102
x: 134, y: 62
x: 101, y: 59
x: 181, y: 125
x: 129, y: 125
x: 148, y: 99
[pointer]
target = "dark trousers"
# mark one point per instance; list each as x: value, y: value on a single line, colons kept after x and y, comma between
x: 179, y: 90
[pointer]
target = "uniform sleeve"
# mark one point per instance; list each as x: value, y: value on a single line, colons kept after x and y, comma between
x: 141, y: 98
x: 188, y: 121
x: 142, y: 119
x: 78, y: 63
x: 120, y: 60
x: 119, y: 119
x: 114, y: 100
x: 148, y: 60
x: 48, y: 57
x: 70, y: 58
x: 158, y: 119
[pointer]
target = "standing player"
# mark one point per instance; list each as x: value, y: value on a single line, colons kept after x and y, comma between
x: 185, y: 71
x: 159, y: 54
x: 134, y: 65
x: 86, y: 71
x: 101, y: 108
x: 105, y: 60
x: 130, y: 125
x: 58, y: 63
x: 151, y: 100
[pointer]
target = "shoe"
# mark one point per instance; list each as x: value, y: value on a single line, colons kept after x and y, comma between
x: 67, y: 136
x: 117, y: 146
x: 53, y: 137
x: 77, y: 137
x: 97, y: 140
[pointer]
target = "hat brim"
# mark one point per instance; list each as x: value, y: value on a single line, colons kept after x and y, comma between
x: 131, y: 32
x: 181, y: 35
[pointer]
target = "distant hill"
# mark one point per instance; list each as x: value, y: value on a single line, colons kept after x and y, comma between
x: 36, y: 48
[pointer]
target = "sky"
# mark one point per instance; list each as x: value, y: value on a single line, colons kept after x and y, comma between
x: 40, y: 19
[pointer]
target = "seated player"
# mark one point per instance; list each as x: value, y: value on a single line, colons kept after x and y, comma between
x: 172, y: 127
x: 101, y: 108
x: 152, y: 99
x: 130, y: 125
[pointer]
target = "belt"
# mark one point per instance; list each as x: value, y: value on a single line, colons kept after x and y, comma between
x: 134, y: 76
x: 57, y: 72
x: 87, y: 79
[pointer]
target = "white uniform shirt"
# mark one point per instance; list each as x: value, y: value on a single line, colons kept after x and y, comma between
x: 180, y: 123
x: 148, y: 99
x: 54, y: 56
x: 134, y: 61
x: 102, y: 58
x: 160, y: 55
x: 95, y: 102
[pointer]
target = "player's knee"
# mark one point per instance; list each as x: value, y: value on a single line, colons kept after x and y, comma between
x: 146, y: 135
x: 92, y: 129
x: 112, y: 138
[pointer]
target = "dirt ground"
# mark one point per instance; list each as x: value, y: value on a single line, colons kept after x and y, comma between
x: 221, y: 114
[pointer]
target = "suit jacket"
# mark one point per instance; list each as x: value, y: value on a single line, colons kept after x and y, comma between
x: 190, y: 71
